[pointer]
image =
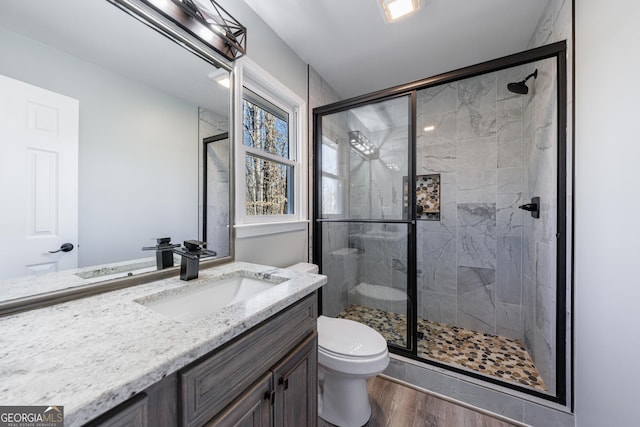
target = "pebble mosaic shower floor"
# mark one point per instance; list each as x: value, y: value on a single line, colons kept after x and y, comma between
x: 493, y: 355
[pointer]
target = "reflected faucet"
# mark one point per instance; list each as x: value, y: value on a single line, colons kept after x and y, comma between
x: 191, y: 253
x: 164, y: 252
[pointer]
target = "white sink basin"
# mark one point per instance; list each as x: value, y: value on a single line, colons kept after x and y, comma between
x: 196, y: 301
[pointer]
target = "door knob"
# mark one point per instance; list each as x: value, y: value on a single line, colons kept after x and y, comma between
x: 66, y: 247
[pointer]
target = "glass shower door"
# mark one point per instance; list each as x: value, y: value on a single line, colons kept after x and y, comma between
x: 365, y: 159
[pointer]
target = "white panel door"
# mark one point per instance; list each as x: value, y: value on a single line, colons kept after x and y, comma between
x: 38, y: 179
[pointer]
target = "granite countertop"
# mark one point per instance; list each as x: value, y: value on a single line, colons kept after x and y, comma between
x: 91, y: 354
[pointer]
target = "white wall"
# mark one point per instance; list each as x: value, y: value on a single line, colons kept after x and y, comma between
x: 128, y: 132
x: 268, y: 51
x: 277, y: 250
x: 607, y: 206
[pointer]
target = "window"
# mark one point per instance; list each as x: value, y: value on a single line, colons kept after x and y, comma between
x: 269, y: 167
x: 271, y: 178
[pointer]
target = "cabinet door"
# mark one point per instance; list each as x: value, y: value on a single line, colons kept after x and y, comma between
x: 212, y: 383
x: 132, y: 413
x: 251, y: 409
x: 157, y: 406
x: 295, y: 403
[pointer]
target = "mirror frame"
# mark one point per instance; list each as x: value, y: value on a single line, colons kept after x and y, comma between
x: 150, y: 16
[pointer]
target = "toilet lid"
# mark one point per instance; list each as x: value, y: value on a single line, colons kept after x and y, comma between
x: 349, y: 338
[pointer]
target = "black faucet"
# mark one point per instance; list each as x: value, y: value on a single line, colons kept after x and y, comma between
x: 191, y: 253
x: 164, y: 252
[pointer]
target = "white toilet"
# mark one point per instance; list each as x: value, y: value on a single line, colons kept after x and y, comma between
x: 348, y: 354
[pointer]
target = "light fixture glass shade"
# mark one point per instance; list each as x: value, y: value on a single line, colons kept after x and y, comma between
x: 396, y: 9
x: 361, y: 145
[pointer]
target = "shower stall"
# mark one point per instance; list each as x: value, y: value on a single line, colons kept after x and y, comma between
x: 440, y: 218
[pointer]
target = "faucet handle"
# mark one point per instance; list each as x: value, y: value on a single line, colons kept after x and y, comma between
x: 194, y: 245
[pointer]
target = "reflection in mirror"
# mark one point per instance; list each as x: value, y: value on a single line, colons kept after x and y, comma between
x: 102, y: 127
x: 215, y: 180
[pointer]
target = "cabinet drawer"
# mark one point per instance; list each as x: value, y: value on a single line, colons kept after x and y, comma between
x: 215, y: 381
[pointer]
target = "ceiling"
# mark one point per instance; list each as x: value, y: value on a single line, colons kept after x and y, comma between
x: 351, y: 46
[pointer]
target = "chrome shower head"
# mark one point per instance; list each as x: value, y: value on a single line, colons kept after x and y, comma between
x: 521, y: 87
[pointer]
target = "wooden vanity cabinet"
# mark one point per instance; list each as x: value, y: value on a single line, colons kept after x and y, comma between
x: 251, y: 409
x: 156, y: 406
x: 285, y: 397
x: 265, y: 377
x: 296, y: 389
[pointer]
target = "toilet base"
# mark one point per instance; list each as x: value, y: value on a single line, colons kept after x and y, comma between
x: 343, y: 400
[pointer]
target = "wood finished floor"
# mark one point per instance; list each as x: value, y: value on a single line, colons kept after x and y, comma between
x: 395, y: 405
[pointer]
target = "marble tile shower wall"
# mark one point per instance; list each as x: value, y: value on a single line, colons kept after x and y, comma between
x: 555, y: 25
x: 320, y: 93
x: 539, y: 235
x: 376, y: 192
x: 339, y: 260
x: 470, y: 261
x: 340, y: 265
x: 371, y: 253
x: 539, y: 295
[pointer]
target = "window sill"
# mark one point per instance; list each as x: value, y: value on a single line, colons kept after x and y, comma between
x: 266, y: 228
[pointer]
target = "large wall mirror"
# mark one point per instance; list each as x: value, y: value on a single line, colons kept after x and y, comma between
x: 106, y: 127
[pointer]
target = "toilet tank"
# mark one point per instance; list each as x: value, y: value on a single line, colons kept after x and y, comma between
x: 304, y: 267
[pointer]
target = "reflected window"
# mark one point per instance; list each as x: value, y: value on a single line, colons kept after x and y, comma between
x: 332, y: 183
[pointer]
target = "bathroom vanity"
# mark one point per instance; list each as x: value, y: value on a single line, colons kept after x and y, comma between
x: 268, y: 374
x: 114, y: 359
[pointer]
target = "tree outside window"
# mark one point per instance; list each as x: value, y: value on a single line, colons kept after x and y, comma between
x: 269, y: 169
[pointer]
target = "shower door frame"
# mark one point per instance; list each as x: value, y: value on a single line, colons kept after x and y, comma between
x: 410, y: 222
x: 556, y: 50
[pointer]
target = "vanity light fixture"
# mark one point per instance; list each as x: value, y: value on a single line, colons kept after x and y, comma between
x: 396, y: 9
x: 362, y: 146
x: 206, y: 20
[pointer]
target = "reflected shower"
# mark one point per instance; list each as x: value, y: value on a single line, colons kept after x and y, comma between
x: 521, y: 87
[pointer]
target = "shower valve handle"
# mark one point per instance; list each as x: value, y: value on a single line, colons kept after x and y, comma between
x: 531, y: 207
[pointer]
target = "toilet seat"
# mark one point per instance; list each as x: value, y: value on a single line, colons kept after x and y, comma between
x: 351, y: 347
x: 349, y: 338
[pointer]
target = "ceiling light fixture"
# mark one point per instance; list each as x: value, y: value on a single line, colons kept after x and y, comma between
x: 221, y: 77
x: 396, y: 9
x: 429, y: 128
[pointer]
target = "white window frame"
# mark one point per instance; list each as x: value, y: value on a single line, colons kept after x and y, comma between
x: 250, y: 75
